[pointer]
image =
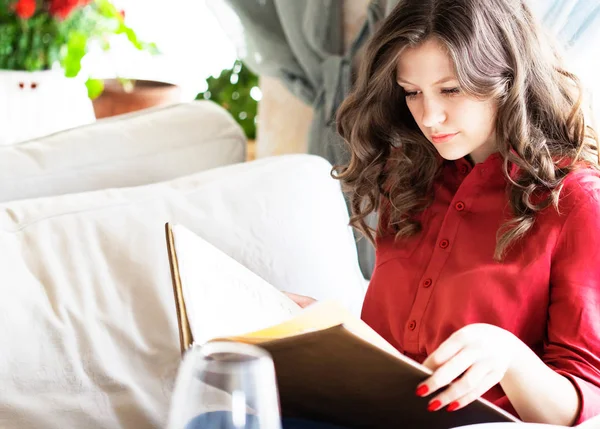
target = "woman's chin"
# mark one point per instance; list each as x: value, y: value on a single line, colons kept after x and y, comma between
x: 451, y: 154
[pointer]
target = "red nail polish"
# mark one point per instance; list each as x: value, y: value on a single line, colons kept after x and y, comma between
x: 422, y: 390
x: 453, y: 406
x: 434, y: 405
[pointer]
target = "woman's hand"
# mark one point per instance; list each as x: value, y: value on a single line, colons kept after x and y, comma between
x: 472, y: 361
x: 301, y: 300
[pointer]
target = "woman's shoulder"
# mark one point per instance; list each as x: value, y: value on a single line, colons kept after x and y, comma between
x: 576, y: 223
x: 580, y: 186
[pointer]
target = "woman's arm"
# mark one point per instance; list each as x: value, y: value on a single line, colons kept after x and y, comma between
x: 562, y: 386
x: 538, y: 393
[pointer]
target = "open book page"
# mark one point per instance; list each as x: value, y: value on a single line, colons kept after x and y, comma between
x: 222, y: 297
x: 324, y: 315
x: 319, y: 316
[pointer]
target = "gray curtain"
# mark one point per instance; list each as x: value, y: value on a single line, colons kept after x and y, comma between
x: 300, y: 42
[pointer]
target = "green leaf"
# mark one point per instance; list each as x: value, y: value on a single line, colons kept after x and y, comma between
x: 235, y: 97
x: 77, y: 41
x: 132, y: 37
x: 107, y: 9
x: 95, y: 87
x: 151, y: 47
x: 76, y: 49
x: 23, y: 42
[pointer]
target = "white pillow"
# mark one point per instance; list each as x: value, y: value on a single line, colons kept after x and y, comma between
x: 144, y: 147
x: 90, y: 336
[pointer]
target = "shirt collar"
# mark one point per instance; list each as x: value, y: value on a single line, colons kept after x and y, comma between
x: 491, y: 167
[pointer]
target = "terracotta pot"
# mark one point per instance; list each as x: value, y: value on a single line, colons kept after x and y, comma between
x: 114, y: 100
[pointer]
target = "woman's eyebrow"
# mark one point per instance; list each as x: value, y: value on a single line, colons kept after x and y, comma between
x: 442, y: 80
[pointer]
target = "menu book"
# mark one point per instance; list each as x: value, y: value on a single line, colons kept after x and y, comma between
x: 330, y: 365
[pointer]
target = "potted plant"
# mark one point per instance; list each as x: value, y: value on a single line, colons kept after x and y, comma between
x: 122, y: 95
x: 42, y: 44
x: 236, y: 90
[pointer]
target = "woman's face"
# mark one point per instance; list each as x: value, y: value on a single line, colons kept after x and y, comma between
x: 456, y: 124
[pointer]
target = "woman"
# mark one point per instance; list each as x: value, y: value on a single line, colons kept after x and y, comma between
x: 468, y: 138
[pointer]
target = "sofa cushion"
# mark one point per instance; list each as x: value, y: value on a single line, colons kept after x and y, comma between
x: 144, y: 147
x: 90, y: 335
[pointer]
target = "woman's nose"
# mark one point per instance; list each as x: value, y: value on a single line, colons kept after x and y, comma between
x: 433, y: 113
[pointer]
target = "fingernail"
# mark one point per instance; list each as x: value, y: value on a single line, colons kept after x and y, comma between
x: 434, y: 405
x: 422, y: 390
x: 453, y: 406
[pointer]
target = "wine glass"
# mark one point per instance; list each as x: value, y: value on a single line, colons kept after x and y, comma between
x: 225, y: 385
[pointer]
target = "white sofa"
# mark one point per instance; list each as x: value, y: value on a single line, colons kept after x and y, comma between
x: 88, y: 326
x: 127, y: 150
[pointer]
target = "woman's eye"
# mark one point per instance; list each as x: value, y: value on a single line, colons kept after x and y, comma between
x: 410, y: 94
x: 451, y: 91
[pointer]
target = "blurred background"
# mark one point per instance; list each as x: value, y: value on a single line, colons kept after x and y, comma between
x: 130, y: 54
x: 136, y: 54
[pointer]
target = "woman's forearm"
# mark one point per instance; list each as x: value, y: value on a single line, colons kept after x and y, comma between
x: 538, y: 393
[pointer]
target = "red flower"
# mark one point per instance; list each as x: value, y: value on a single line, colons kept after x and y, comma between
x: 25, y: 8
x: 63, y: 8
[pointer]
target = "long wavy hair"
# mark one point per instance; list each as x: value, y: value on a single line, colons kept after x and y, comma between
x: 499, y: 52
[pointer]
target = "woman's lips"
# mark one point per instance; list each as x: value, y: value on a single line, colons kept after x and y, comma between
x: 442, y: 138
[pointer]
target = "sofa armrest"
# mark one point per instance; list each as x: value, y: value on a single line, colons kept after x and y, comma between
x: 134, y: 149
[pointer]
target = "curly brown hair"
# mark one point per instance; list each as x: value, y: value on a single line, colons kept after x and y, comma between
x: 499, y: 52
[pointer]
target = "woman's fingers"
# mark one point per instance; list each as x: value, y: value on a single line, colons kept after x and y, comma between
x: 489, y: 381
x: 477, y: 380
x: 449, y: 371
x: 444, y: 352
x: 472, y: 361
x: 301, y: 300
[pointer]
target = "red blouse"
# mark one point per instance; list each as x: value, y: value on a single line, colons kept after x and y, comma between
x: 546, y: 292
